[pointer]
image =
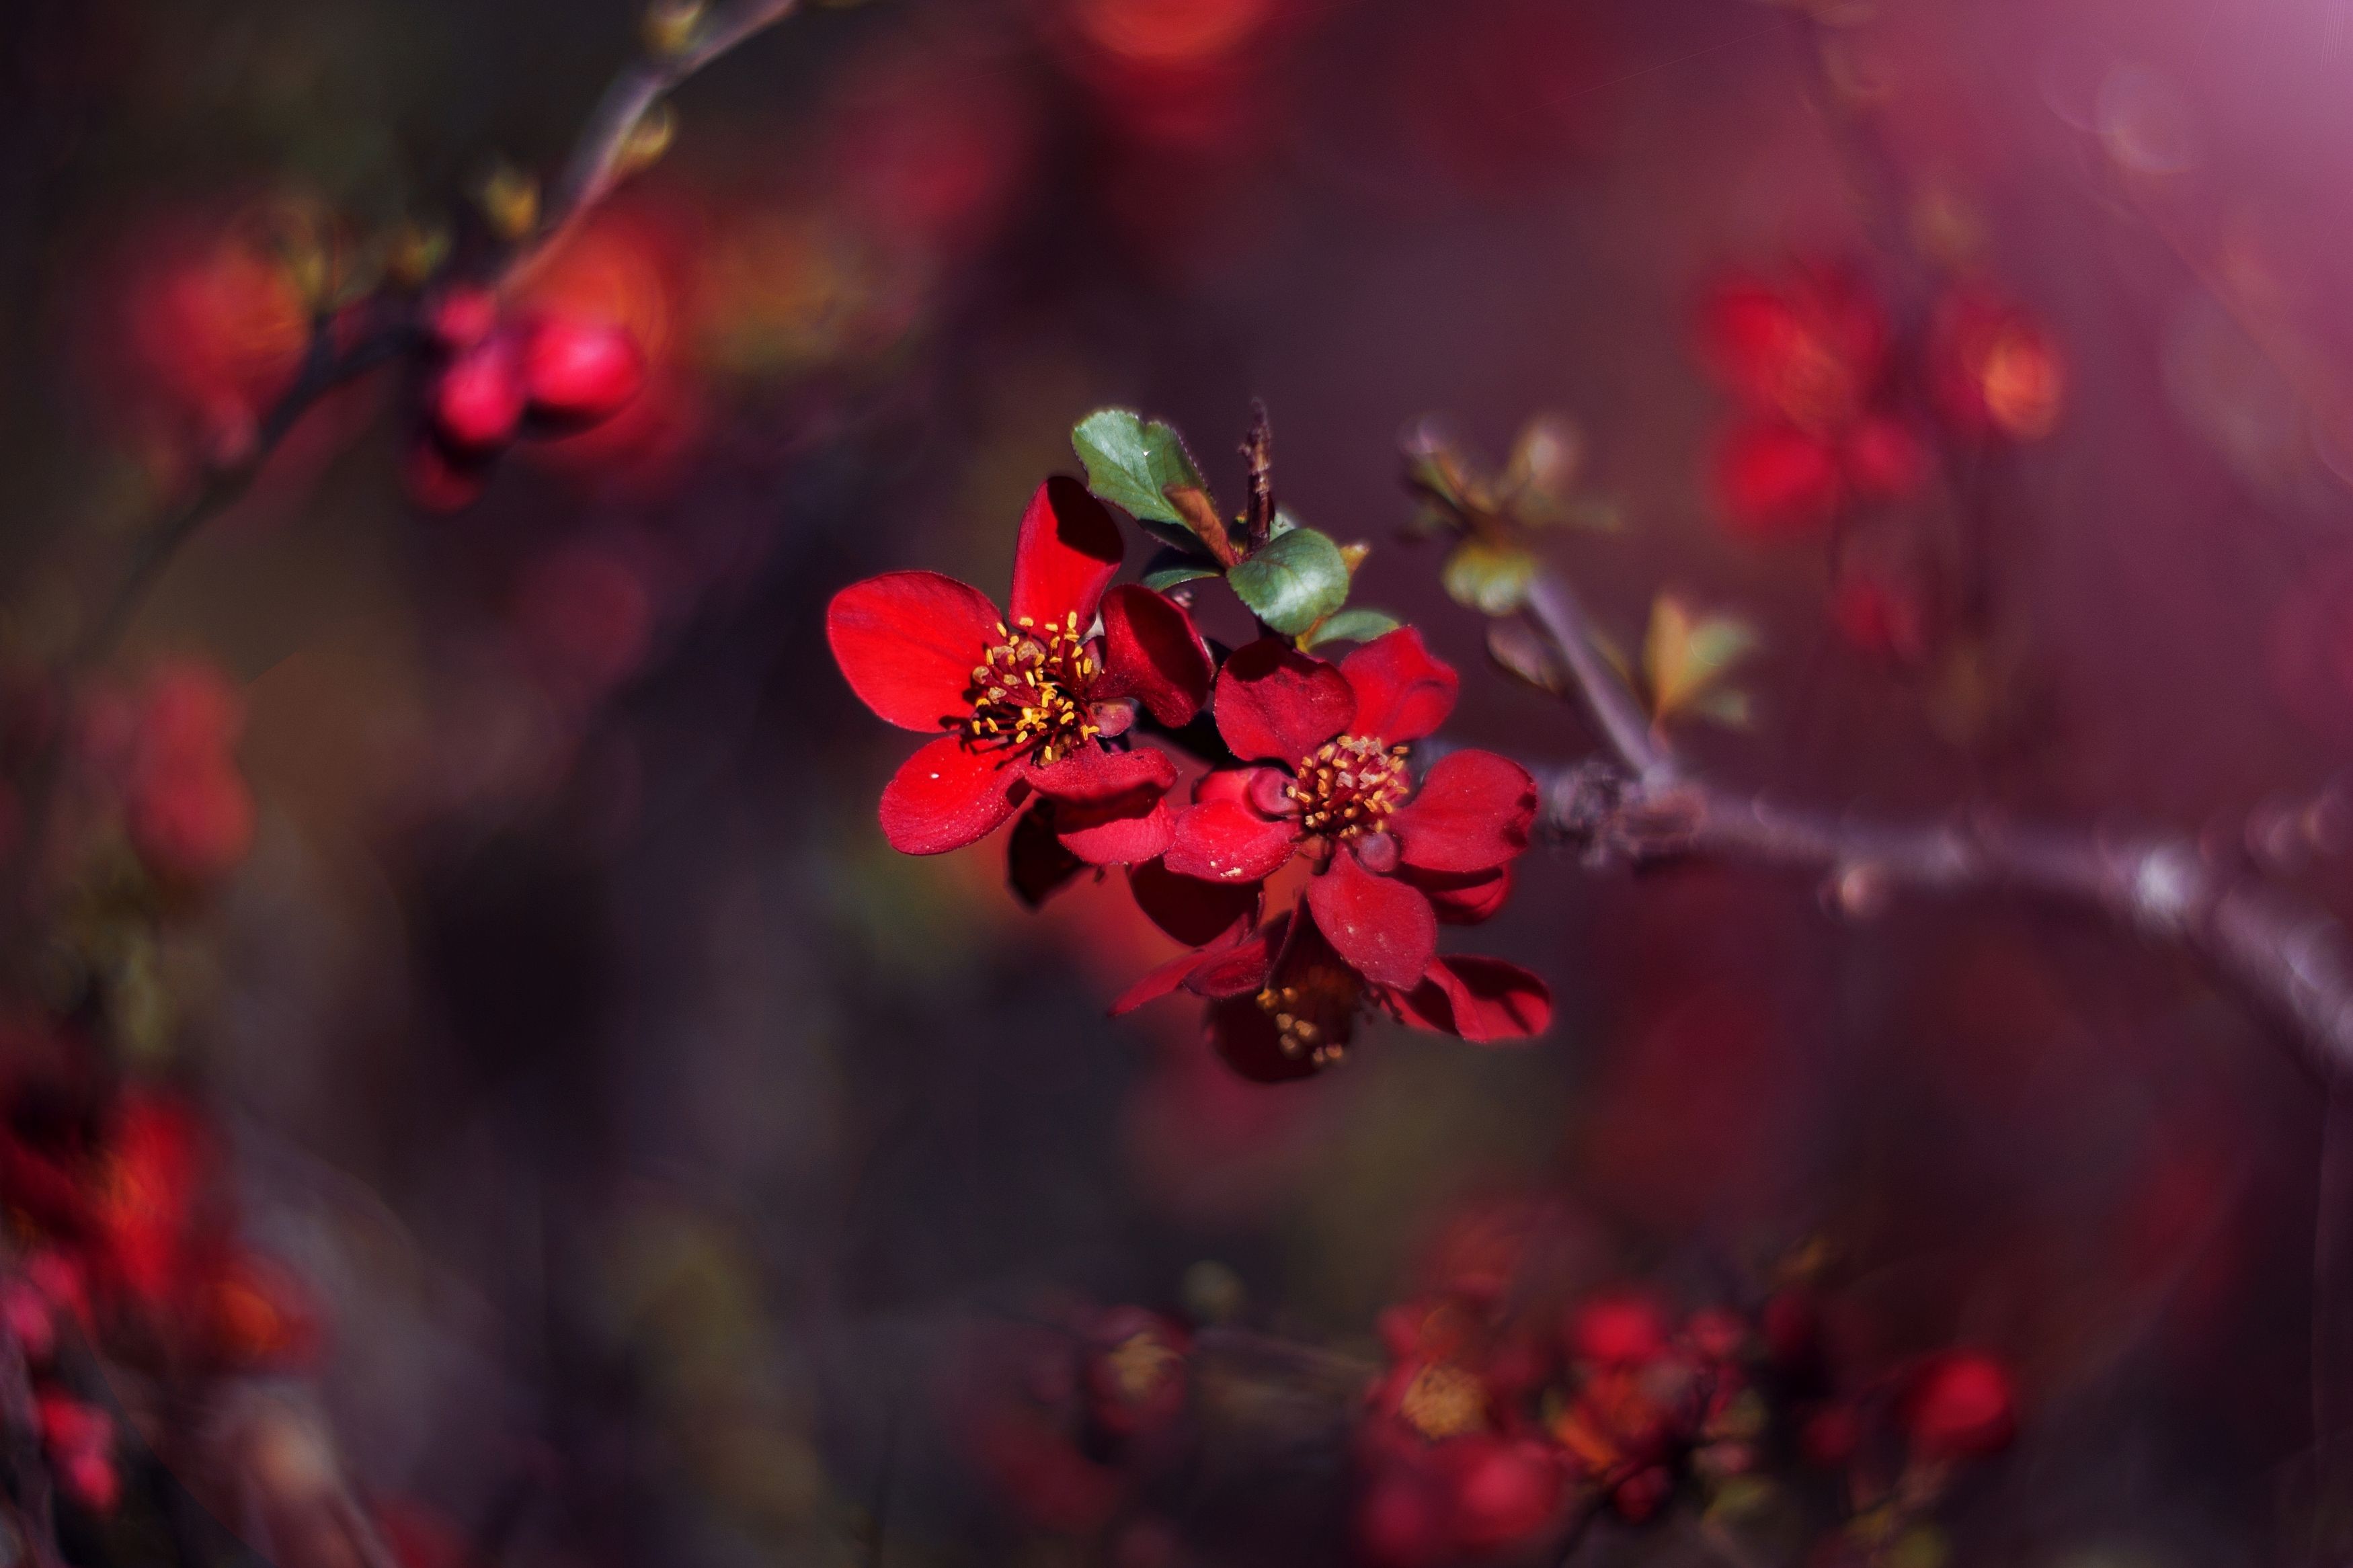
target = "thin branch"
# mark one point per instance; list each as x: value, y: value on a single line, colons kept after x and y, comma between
x: 599, y: 157
x: 2288, y: 957
x: 1554, y: 606
x: 340, y: 351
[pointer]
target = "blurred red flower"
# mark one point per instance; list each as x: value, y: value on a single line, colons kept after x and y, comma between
x: 1808, y: 361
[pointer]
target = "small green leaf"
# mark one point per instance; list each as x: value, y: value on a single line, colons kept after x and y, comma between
x: 1166, y: 577
x: 1299, y: 578
x: 1133, y: 464
x: 1543, y: 469
x: 1490, y: 578
x: 1515, y: 648
x: 1355, y: 624
x: 1685, y: 657
x: 1283, y: 521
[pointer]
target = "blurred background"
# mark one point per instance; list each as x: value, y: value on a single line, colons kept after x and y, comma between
x: 672, y: 1160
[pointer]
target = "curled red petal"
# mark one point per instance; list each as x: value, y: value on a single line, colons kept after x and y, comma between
x: 1473, y: 813
x: 1068, y: 552
x: 908, y: 642
x: 1484, y: 1000
x: 1122, y: 830
x: 1224, y: 841
x: 947, y: 796
x: 1093, y: 773
x: 1164, y: 981
x: 1383, y: 927
x: 1402, y: 691
x: 1276, y: 704
x: 1463, y: 898
x: 1240, y: 969
x: 1194, y: 912
x: 1152, y: 652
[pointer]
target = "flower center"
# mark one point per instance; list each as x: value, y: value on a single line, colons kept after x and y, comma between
x: 1022, y: 692
x: 1443, y: 1401
x: 1349, y: 786
x: 1315, y: 1011
x: 1139, y: 1364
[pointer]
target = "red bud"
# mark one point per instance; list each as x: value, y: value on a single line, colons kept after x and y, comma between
x: 580, y: 373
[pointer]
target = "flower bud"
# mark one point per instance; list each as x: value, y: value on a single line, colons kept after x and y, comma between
x: 1269, y: 792
x: 1112, y: 720
x: 580, y: 373
x: 1376, y: 853
x: 478, y: 400
x: 462, y: 318
x: 1961, y: 1405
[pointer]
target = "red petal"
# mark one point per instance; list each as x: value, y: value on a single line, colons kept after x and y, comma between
x: 908, y: 642
x: 1194, y: 912
x: 1162, y: 982
x: 1465, y: 899
x: 947, y: 796
x: 1884, y: 458
x: 1777, y: 482
x: 1151, y: 651
x: 1248, y: 1040
x: 1473, y: 813
x: 1036, y: 864
x: 1240, y: 969
x: 1402, y: 693
x: 1485, y: 1000
x: 1227, y: 842
x: 1124, y: 831
x: 1385, y: 929
x: 1276, y: 704
x: 1070, y: 549
x: 1093, y: 773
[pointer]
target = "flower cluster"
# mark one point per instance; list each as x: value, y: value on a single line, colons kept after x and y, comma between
x: 1836, y: 408
x: 1314, y: 860
x: 1498, y: 1427
x: 495, y: 377
x: 121, y: 1236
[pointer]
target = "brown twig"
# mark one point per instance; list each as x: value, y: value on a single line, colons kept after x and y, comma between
x: 2287, y: 956
x: 599, y: 156
x: 351, y: 342
x: 1258, y: 455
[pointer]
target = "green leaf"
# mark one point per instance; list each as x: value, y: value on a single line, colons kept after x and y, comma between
x: 1353, y: 625
x: 1543, y: 469
x: 1133, y: 464
x: 1685, y: 657
x: 1166, y: 577
x: 1491, y: 579
x: 1516, y: 648
x: 1299, y: 578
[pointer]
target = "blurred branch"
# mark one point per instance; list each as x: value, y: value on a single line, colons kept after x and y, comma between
x: 2286, y: 955
x: 350, y: 343
x: 600, y: 157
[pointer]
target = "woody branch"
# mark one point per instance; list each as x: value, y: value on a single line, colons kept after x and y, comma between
x: 2284, y: 954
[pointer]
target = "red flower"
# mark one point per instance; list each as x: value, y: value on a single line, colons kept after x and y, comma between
x: 1035, y: 705
x: 1993, y: 369
x: 1136, y: 1375
x: 1390, y: 857
x: 1284, y: 1003
x: 1809, y: 362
